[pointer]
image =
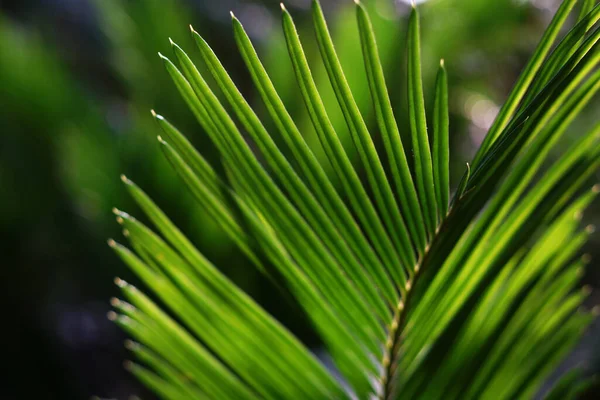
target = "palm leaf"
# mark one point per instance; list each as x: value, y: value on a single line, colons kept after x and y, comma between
x: 414, y: 294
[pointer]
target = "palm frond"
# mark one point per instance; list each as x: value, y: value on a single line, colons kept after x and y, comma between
x: 414, y: 294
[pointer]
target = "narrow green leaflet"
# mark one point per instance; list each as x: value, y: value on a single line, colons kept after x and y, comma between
x: 301, y: 194
x: 338, y: 289
x: 525, y: 79
x: 225, y: 289
x: 390, y: 134
x: 441, y: 147
x: 197, y: 163
x: 362, y: 140
x: 565, y: 49
x: 337, y: 155
x: 418, y: 126
x: 162, y: 388
x: 180, y: 380
x: 311, y: 171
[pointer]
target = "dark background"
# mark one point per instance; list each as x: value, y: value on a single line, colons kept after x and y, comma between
x: 77, y: 81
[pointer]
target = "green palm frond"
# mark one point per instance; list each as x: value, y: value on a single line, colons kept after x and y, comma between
x: 412, y: 297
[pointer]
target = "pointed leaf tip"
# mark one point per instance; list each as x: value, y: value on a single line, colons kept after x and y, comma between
x: 586, y: 290
x: 130, y: 344
x: 232, y: 15
x: 126, y: 180
x: 111, y: 315
x: 462, y: 185
x: 155, y: 115
x: 111, y: 243
x: 122, y: 214
x: 442, y: 63
x: 172, y: 42
x: 282, y: 7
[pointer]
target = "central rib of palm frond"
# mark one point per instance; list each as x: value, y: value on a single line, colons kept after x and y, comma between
x: 397, y: 283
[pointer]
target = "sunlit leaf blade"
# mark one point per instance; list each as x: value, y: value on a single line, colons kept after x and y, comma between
x: 352, y: 361
x: 524, y: 171
x: 588, y: 17
x: 418, y: 126
x: 168, y: 372
x: 191, y: 156
x: 384, y: 197
x: 386, y: 121
x: 555, y: 96
x: 441, y: 147
x: 510, y: 106
x: 338, y: 289
x: 310, y: 169
x: 218, y: 210
x: 337, y: 156
x: 518, y: 225
x: 585, y: 9
x: 530, y: 272
x: 225, y: 289
x: 462, y: 185
x: 164, y: 389
x: 168, y: 337
x: 218, y: 312
x: 301, y: 195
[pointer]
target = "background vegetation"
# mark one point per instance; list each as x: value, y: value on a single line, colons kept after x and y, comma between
x: 78, y: 79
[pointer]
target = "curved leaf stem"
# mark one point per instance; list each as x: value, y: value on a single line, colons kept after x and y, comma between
x: 392, y: 344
